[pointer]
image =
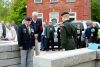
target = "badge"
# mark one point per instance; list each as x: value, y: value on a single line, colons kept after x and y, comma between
x: 78, y: 31
x: 24, y: 30
x: 93, y: 30
x: 59, y: 30
x: 50, y: 29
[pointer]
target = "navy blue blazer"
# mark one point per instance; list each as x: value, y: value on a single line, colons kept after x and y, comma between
x: 37, y: 28
x: 26, y: 40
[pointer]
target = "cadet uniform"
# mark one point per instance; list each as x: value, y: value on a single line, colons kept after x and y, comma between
x: 68, y: 36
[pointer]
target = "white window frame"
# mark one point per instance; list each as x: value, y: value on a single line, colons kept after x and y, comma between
x: 53, y: 1
x: 56, y: 17
x: 69, y: 1
x: 41, y: 16
x: 37, y: 2
x: 50, y: 18
x: 75, y: 16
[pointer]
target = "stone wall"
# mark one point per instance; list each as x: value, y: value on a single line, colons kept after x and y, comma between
x: 75, y: 58
x: 9, y: 54
x: 10, y: 57
x: 98, y: 58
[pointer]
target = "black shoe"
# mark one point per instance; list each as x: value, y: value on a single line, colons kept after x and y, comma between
x: 42, y: 49
x: 53, y: 49
x: 46, y: 50
x: 59, y: 49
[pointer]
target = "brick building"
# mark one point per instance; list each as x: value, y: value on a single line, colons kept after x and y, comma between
x: 50, y: 10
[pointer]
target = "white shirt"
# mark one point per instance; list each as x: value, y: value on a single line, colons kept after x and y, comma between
x: 11, y: 34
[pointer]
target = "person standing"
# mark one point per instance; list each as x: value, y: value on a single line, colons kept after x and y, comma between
x: 98, y: 36
x: 94, y: 31
x: 37, y: 26
x: 15, y: 26
x: 26, y: 42
x: 88, y: 34
x: 4, y: 29
x: 1, y: 30
x: 50, y: 36
x: 68, y: 33
x: 79, y: 34
x: 10, y: 32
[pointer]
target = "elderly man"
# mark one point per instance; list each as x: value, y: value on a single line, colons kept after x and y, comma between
x: 26, y: 42
x: 37, y: 26
x: 68, y: 33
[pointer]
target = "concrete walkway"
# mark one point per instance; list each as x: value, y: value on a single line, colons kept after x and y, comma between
x: 49, y: 52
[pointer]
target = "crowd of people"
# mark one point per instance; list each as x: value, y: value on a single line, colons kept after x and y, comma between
x: 8, y: 31
x: 38, y: 35
x: 92, y: 34
x: 45, y: 33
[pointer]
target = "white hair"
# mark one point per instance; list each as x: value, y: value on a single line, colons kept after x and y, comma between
x: 35, y: 14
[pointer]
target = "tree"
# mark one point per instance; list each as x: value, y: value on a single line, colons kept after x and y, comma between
x: 1, y: 7
x: 4, y: 6
x: 17, y: 11
x: 95, y: 10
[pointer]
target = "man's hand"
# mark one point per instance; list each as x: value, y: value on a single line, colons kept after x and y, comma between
x: 36, y: 36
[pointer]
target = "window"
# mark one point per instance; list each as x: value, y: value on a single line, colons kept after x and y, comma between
x: 54, y: 18
x: 71, y: 1
x: 72, y: 15
x: 53, y: 1
x: 40, y: 16
x: 37, y: 1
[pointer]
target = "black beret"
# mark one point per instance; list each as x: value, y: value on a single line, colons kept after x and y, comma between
x: 28, y: 18
x: 64, y: 13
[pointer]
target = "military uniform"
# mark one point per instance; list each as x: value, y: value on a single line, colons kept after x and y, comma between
x: 68, y: 36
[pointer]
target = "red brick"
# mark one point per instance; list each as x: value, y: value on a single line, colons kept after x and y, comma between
x: 82, y: 7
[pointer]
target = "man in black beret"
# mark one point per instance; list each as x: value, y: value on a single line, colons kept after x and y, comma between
x: 68, y: 33
x: 26, y: 43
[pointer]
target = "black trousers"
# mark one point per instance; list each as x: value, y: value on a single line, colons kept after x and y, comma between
x: 59, y: 43
x: 93, y: 39
x: 50, y: 42
x: 79, y: 45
